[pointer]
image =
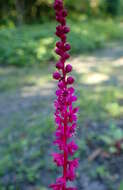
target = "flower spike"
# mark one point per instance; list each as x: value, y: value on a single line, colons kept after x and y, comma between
x: 65, y: 114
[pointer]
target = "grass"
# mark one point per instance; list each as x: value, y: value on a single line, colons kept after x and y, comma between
x: 34, y: 44
x: 24, y: 155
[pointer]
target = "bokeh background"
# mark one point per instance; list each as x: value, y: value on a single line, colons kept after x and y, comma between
x: 27, y: 60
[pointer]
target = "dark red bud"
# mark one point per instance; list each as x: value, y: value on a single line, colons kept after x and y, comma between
x: 67, y: 47
x: 59, y: 13
x: 66, y: 29
x: 59, y: 65
x: 58, y: 5
x: 58, y: 18
x: 66, y: 56
x: 63, y: 37
x: 56, y: 75
x: 61, y: 85
x: 70, y: 80
x: 63, y: 21
x: 68, y: 68
x: 58, y: 34
x: 59, y: 44
x: 58, y: 51
x: 59, y: 28
x: 64, y: 13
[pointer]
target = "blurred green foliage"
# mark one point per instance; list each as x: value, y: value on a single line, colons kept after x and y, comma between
x: 29, y: 44
x: 121, y: 185
x: 25, y: 157
x: 109, y: 139
x: 32, y: 44
x: 29, y: 11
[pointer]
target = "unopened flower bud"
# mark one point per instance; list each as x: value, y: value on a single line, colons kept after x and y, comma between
x: 58, y: 51
x: 59, y: 44
x: 68, y: 68
x: 70, y: 80
x: 67, y: 47
x: 64, y: 13
x: 61, y: 85
x: 66, y: 29
x: 59, y: 65
x: 66, y: 56
x: 56, y: 75
x: 63, y: 37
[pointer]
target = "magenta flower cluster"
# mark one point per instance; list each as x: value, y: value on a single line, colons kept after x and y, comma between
x: 65, y: 114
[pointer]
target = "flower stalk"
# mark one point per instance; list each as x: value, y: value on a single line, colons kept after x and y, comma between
x: 65, y: 113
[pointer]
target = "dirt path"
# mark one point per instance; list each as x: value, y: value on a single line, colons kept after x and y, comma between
x: 25, y: 91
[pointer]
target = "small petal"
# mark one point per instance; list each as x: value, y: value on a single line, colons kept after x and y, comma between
x: 58, y: 159
x: 73, y: 163
x: 72, y: 128
x: 72, y: 148
x: 58, y: 92
x: 73, y: 98
x: 75, y: 110
x: 59, y: 185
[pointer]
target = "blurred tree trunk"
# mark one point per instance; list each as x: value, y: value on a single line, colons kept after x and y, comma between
x: 20, y: 11
x: 113, y: 7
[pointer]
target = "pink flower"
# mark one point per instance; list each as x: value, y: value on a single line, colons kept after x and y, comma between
x: 72, y: 114
x: 71, y: 174
x: 58, y: 158
x: 72, y: 148
x: 71, y: 130
x: 73, y: 163
x: 71, y: 99
x: 59, y: 185
x: 65, y: 114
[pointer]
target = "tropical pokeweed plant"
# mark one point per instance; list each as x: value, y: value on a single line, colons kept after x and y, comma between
x: 65, y: 113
